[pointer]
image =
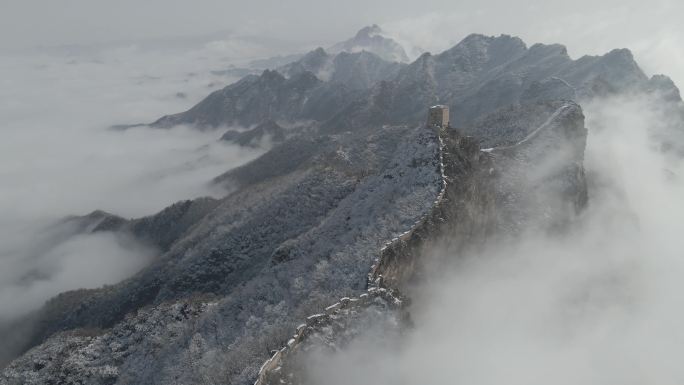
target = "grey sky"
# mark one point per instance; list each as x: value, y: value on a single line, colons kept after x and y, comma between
x: 651, y: 29
x: 61, y: 100
x: 31, y: 22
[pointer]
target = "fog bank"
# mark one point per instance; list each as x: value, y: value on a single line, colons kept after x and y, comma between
x: 58, y: 157
x: 599, y: 305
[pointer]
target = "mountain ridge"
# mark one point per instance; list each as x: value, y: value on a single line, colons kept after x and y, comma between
x: 307, y: 219
x: 474, y: 77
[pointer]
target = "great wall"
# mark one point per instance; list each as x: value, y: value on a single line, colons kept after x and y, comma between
x: 463, y: 216
x: 399, y: 260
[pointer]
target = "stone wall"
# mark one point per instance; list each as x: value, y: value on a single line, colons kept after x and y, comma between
x: 462, y: 214
x: 465, y: 214
x: 272, y: 370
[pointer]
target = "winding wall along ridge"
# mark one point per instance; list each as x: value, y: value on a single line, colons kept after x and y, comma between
x: 376, y: 288
x: 462, y: 215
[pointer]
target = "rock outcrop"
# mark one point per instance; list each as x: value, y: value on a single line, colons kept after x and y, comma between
x: 474, y: 78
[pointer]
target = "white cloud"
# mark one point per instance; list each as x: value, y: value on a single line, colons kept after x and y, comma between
x: 83, y: 261
x: 58, y: 158
x: 599, y: 305
x: 579, y: 310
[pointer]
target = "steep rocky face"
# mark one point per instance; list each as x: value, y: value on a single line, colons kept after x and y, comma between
x: 476, y: 77
x: 482, y: 74
x: 665, y: 87
x: 362, y: 70
x: 535, y: 184
x: 540, y: 180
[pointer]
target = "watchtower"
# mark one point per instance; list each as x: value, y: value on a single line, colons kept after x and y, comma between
x: 438, y: 116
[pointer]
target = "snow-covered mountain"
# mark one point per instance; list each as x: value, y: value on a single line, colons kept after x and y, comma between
x: 353, y: 168
x: 475, y: 77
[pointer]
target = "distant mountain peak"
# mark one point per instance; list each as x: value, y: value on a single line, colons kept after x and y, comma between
x: 318, y: 52
x: 480, y: 74
x: 369, y: 31
x: 371, y: 39
x: 272, y: 75
x: 478, y: 42
x: 550, y: 49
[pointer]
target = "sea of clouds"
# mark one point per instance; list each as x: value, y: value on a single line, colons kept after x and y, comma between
x: 59, y: 157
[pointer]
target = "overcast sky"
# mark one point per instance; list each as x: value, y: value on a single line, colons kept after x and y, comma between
x: 56, y: 106
x: 651, y: 29
x: 35, y: 22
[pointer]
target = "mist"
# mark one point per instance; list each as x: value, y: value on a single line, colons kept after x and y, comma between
x: 601, y: 304
x: 59, y: 157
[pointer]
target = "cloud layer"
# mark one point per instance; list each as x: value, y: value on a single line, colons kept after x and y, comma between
x: 599, y: 305
x: 58, y: 158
